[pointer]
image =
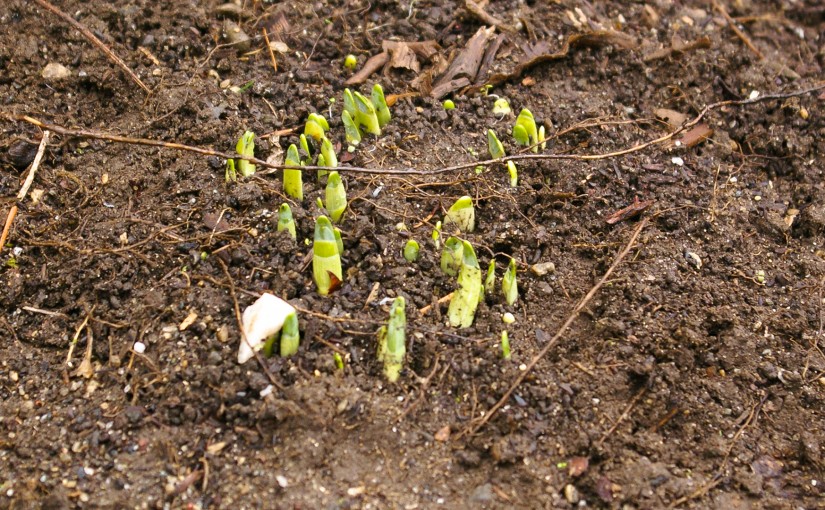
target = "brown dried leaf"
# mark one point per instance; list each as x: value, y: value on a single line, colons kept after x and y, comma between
x: 696, y: 135
x: 672, y: 117
x: 631, y: 211
x: 375, y: 63
x: 465, y: 66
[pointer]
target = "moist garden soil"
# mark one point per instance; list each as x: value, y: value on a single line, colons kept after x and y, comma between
x: 695, y: 377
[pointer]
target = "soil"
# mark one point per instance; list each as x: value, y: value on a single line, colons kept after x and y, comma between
x: 695, y: 377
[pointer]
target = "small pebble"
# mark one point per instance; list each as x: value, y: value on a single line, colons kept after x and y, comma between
x: 139, y: 347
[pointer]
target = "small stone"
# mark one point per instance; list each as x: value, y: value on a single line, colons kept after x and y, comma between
x: 282, y: 481
x: 54, y: 71
x: 222, y: 334
x: 543, y: 268
x: 443, y: 434
x: 482, y: 494
x: 139, y: 347
x: 134, y: 413
x: 571, y: 494
x: 233, y: 34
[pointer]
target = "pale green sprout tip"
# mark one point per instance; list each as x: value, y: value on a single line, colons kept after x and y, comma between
x: 508, y: 318
x: 382, y: 111
x: 520, y: 134
x: 313, y: 129
x: 326, y: 259
x: 505, y: 345
x: 321, y: 162
x: 286, y: 222
x: 437, y: 235
x: 512, y: 171
x: 452, y: 256
x: 339, y: 241
x: 464, y: 303
x: 245, y: 147
x: 351, y: 130
x: 319, y: 202
x: 462, y: 214
x: 494, y: 145
x: 339, y: 361
x: 336, y: 197
x: 366, y: 115
x: 449, y: 104
x: 349, y: 103
x: 542, y: 142
x: 290, y: 336
x: 320, y: 120
x: 328, y: 152
x: 490, y: 280
x: 410, y: 251
x: 304, y: 143
x: 526, y: 125
x: 501, y: 107
x: 293, y: 180
x: 350, y: 62
x: 509, y: 285
x: 392, y: 340
x: 231, y: 175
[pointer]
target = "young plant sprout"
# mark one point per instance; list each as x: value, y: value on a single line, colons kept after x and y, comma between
x: 525, y: 131
x: 326, y: 259
x: 339, y: 241
x: 349, y: 104
x: 465, y: 300
x: 490, y: 280
x: 231, y: 174
x: 411, y: 250
x: 494, y: 145
x: 501, y: 107
x: 366, y: 115
x: 542, y: 143
x: 449, y: 105
x: 437, y: 235
x: 379, y: 102
x: 350, y: 62
x: 293, y: 181
x: 290, y: 336
x: 392, y: 340
x: 285, y: 221
x: 452, y: 256
x: 505, y: 345
x: 462, y: 214
x: 351, y: 130
x: 336, y: 197
x: 509, y: 285
x: 245, y: 147
x: 304, y: 143
x: 513, y: 172
x: 316, y: 126
x: 328, y: 152
x: 339, y: 361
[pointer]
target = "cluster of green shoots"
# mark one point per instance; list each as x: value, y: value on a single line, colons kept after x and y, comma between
x: 246, y: 148
x: 526, y: 133
x: 360, y: 113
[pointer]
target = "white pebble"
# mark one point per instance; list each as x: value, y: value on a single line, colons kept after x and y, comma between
x: 678, y: 161
x: 139, y: 347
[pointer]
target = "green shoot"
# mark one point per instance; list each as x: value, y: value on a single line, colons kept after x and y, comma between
x: 513, y: 172
x: 351, y: 130
x: 490, y: 280
x: 320, y: 120
x: 411, y: 250
x: 350, y: 62
x: 339, y: 241
x: 392, y: 340
x: 326, y: 259
x: 336, y: 197
x: 304, y: 144
x: 465, y: 300
x: 509, y: 285
x: 382, y: 111
x: 315, y: 126
x: 269, y: 346
x: 328, y: 152
x: 290, y: 336
x: 339, y: 361
x: 505, y: 345
x: 437, y: 235
x: 494, y: 145
x: 293, y: 181
x: 349, y: 104
x: 525, y: 131
x: 245, y: 147
x: 462, y: 215
x: 542, y: 143
x: 448, y: 105
x: 501, y: 107
x: 231, y: 174
x: 285, y: 221
x: 452, y: 256
x: 366, y: 115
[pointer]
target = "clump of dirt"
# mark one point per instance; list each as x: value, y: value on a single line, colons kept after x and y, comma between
x: 694, y: 377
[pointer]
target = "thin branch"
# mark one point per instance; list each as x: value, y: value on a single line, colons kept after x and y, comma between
x: 94, y: 40
x: 575, y: 313
x: 732, y: 24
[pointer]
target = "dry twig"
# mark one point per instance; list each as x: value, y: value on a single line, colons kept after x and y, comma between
x: 24, y: 190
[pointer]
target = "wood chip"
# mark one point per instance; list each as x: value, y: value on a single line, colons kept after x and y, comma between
x: 443, y: 434
x: 464, y: 67
x: 631, y: 211
x: 696, y: 135
x: 188, y: 321
x: 672, y: 117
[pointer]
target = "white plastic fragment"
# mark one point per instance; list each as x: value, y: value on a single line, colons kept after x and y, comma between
x: 264, y: 318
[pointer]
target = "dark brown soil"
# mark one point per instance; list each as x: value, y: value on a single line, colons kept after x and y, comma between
x: 700, y: 385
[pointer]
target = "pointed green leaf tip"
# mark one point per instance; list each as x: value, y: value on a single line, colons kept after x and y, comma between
x: 462, y: 214
x: 382, y: 111
x: 509, y: 285
x: 285, y: 221
x: 328, y: 151
x: 245, y: 147
x: 349, y: 103
x: 336, y: 197
x: 494, y: 145
x: 513, y: 172
x: 290, y: 336
x: 366, y: 115
x: 453, y: 256
x: 525, y: 131
x: 392, y: 340
x: 411, y: 249
x: 465, y: 300
x: 293, y: 181
x: 351, y: 130
x: 490, y: 281
x: 326, y: 259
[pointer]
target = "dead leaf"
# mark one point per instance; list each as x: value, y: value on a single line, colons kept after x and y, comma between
x: 216, y: 222
x: 672, y: 117
x: 488, y: 19
x: 464, y: 67
x: 398, y: 54
x: 696, y: 135
x: 631, y: 211
x: 577, y: 466
x: 334, y: 282
x: 443, y: 434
